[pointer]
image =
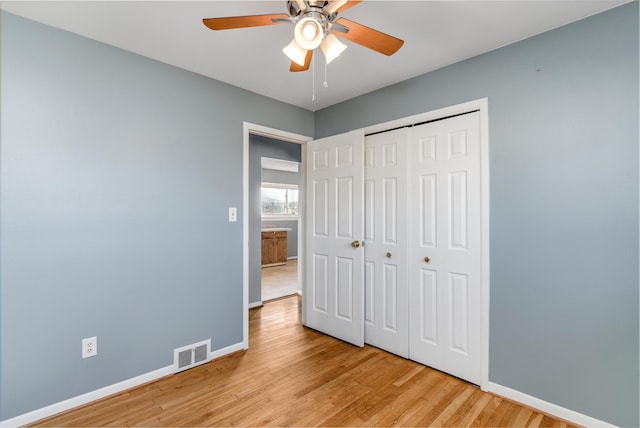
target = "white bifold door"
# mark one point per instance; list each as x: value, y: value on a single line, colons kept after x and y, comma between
x: 445, y: 246
x: 415, y: 290
x: 334, y: 296
x: 386, y: 319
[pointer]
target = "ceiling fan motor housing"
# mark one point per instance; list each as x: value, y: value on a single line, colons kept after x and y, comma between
x: 294, y: 8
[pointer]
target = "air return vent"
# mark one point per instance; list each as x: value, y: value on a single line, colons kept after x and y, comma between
x: 191, y: 355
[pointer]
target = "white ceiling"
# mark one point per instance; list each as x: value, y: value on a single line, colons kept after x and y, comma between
x: 436, y: 34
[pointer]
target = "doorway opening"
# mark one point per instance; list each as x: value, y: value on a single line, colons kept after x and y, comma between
x: 280, y: 211
x: 262, y: 142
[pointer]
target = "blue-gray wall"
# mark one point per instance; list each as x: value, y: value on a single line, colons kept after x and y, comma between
x: 116, y: 176
x: 563, y: 124
x: 259, y: 147
x: 116, y: 173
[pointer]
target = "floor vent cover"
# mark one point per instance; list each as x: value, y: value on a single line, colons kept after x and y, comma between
x: 191, y: 355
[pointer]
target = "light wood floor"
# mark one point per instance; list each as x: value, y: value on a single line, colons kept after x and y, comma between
x: 279, y: 281
x: 292, y: 375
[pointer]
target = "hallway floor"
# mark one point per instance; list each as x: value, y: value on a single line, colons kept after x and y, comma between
x: 280, y: 281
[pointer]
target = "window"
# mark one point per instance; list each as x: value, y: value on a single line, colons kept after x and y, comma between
x: 279, y: 200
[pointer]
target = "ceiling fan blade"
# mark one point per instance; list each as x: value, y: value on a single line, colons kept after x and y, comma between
x: 307, y: 62
x: 348, y: 5
x: 334, y: 5
x: 369, y: 38
x: 231, y: 22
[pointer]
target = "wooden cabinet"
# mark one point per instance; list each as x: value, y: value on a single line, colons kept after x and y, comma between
x: 281, y: 247
x: 274, y: 248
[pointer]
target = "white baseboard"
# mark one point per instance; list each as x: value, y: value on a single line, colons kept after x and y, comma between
x: 292, y: 258
x: 255, y: 304
x: 546, y: 407
x: 228, y: 350
x: 80, y: 400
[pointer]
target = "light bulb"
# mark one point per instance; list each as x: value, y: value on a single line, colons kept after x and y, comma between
x: 308, y: 33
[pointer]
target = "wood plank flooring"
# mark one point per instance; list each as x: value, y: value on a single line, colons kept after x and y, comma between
x: 295, y: 376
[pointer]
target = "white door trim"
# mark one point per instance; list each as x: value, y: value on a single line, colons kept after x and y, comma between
x: 252, y: 128
x: 482, y: 105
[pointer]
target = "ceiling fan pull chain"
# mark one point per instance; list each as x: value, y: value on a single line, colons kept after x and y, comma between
x: 325, y: 84
x: 313, y: 78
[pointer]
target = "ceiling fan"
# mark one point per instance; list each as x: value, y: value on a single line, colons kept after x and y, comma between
x: 316, y: 24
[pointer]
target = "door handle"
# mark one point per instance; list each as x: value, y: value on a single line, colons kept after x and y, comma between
x: 355, y: 244
x: 427, y: 259
x: 388, y: 255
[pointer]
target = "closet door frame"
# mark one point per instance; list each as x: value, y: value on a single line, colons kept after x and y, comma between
x: 482, y: 106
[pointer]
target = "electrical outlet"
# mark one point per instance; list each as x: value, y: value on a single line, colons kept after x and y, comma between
x: 89, y: 347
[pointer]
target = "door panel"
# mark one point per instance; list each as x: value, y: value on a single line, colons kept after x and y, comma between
x: 458, y: 210
x: 344, y: 288
x: 387, y: 320
x: 427, y: 214
x: 320, y: 198
x: 428, y: 306
x: 390, y: 302
x: 458, y: 303
x: 445, y: 266
x: 335, y: 216
x: 319, y: 283
x: 344, y: 207
x: 390, y: 210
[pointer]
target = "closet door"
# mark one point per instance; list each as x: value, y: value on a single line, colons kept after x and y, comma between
x: 385, y: 266
x: 334, y: 294
x: 445, y: 246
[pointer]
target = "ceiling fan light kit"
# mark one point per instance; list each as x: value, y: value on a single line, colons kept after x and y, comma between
x: 316, y: 24
x: 295, y: 52
x: 332, y: 47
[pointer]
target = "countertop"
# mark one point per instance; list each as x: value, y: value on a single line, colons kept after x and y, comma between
x: 276, y: 229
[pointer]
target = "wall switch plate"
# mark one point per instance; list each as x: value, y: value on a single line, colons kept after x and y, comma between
x: 90, y: 347
x: 233, y: 214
